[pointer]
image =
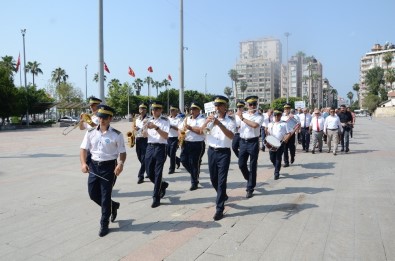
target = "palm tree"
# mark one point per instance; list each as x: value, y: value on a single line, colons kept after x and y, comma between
x: 34, y: 69
x: 334, y: 97
x: 390, y: 77
x: 243, y: 87
x: 148, y: 80
x: 350, y: 95
x: 59, y: 75
x: 138, y: 84
x: 228, y: 91
x: 96, y: 77
x: 387, y: 57
x: 355, y: 87
x: 234, y: 76
x: 157, y: 85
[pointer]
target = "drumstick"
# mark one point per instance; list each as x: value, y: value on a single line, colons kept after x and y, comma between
x: 98, y: 176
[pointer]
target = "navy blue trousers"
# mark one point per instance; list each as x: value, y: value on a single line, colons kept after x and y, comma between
x: 141, y: 147
x: 172, y: 146
x: 191, y: 156
x: 249, y: 149
x: 155, y: 158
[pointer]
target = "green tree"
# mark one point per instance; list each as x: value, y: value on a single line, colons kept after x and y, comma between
x: 278, y: 104
x: 8, y: 93
x: 390, y: 77
x: 234, y: 76
x: 355, y: 87
x: 34, y: 69
x: 58, y: 75
x: 148, y: 80
x: 8, y: 64
x: 173, y: 97
x: 350, y: 95
x: 334, y: 98
x: 96, y: 77
x: 157, y: 85
x: 118, y: 96
x: 387, y: 57
x: 374, y: 79
x: 243, y: 87
x: 66, y: 92
x: 371, y: 101
x: 138, y: 84
x: 228, y: 91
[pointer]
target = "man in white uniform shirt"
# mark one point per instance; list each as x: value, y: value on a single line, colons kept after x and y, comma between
x: 305, y: 119
x: 172, y: 141
x: 332, y: 127
x: 194, y: 145
x: 155, y: 156
x: 251, y: 122
x: 219, y: 139
x: 290, y: 145
x: 317, y: 130
x: 139, y: 125
x: 105, y: 144
x: 236, y: 139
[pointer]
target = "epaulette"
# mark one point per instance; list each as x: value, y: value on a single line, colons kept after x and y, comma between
x: 91, y: 129
x: 164, y: 118
x: 116, y: 131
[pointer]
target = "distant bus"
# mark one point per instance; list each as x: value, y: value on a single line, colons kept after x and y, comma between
x: 361, y: 113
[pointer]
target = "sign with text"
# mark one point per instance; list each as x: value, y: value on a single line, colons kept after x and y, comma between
x: 300, y: 104
x: 209, y: 107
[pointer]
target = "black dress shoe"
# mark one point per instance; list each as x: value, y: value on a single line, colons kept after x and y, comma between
x: 286, y: 165
x: 249, y: 194
x: 146, y: 176
x: 178, y: 165
x: 218, y: 216
x: 140, y: 181
x: 162, y: 193
x: 347, y: 150
x: 193, y: 187
x: 155, y: 204
x: 320, y: 150
x: 114, y: 211
x: 292, y: 160
x: 103, y: 231
x: 342, y: 150
x: 276, y: 177
x: 313, y: 152
x: 171, y: 172
x: 226, y: 197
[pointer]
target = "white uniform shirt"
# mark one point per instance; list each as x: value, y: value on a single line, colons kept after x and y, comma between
x: 198, y: 122
x: 246, y: 132
x: 238, y: 123
x: 153, y: 135
x: 305, y: 120
x: 216, y: 138
x: 332, y: 122
x: 314, y: 125
x: 278, y: 130
x: 174, y: 121
x: 104, y: 146
x: 140, y: 123
x: 267, y: 119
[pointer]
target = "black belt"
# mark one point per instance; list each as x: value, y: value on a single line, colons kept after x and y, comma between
x: 218, y: 149
x: 251, y: 139
x: 304, y: 127
x: 332, y: 129
x: 156, y: 144
x: 193, y: 141
x: 317, y: 131
x: 101, y: 163
x: 138, y: 138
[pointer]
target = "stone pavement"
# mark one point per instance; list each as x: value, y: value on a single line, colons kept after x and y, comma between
x: 323, y: 207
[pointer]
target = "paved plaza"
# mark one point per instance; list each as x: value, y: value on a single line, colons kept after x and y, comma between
x: 324, y: 207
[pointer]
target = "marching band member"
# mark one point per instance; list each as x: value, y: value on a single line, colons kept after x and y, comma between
x: 290, y: 145
x: 249, y: 143
x: 155, y: 156
x: 141, y: 140
x: 219, y: 139
x: 105, y: 143
x: 172, y: 141
x: 279, y: 130
x: 236, y: 139
x: 317, y: 128
x: 194, y: 145
x: 267, y: 118
x: 93, y: 104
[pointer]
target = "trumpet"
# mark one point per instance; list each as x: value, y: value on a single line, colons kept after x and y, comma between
x: 84, y: 118
x: 210, y: 125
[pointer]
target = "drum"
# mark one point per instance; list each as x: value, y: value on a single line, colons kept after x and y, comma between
x: 292, y: 124
x: 272, y: 143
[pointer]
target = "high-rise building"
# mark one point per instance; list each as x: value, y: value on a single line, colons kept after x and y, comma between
x: 260, y: 67
x: 372, y: 59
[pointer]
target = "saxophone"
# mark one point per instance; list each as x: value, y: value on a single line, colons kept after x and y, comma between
x: 131, y: 135
x: 183, y: 133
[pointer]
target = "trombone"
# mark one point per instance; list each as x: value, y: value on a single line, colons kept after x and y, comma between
x: 84, y: 118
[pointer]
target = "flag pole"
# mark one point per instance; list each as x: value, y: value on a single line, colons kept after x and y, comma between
x: 182, y: 56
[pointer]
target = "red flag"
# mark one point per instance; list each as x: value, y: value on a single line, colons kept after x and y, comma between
x: 169, y: 77
x: 131, y: 72
x: 106, y: 68
x: 18, y: 63
x: 150, y: 69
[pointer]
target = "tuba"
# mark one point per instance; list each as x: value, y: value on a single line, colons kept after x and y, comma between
x: 131, y: 135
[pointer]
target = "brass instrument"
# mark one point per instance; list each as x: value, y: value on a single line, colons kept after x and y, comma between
x: 84, y: 118
x: 210, y: 125
x: 131, y: 135
x: 183, y: 133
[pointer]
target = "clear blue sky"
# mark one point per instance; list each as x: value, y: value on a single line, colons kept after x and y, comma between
x: 142, y: 33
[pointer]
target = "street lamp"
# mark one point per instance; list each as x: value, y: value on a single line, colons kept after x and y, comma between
x: 288, y: 78
x: 23, y: 31
x: 86, y: 83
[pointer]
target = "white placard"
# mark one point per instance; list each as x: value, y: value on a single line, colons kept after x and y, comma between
x: 300, y: 104
x: 209, y: 107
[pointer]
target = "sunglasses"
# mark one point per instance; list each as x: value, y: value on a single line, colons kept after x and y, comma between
x: 252, y: 104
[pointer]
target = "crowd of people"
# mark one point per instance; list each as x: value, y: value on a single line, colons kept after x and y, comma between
x: 246, y: 132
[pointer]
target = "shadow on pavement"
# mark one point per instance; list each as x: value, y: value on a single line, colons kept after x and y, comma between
x: 292, y: 190
x: 41, y: 155
x: 304, y: 175
x: 318, y: 165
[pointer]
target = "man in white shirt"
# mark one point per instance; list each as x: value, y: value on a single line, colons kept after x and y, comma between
x: 317, y: 129
x: 305, y: 119
x: 236, y: 139
x: 332, y: 127
x: 172, y: 141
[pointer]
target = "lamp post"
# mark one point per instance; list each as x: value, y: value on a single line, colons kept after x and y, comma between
x: 23, y: 31
x: 86, y: 83
x: 288, y: 78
